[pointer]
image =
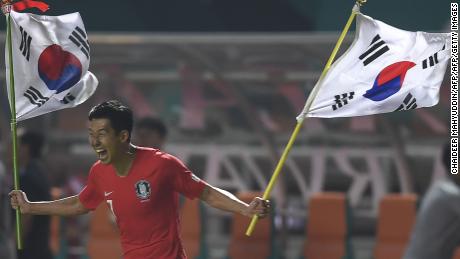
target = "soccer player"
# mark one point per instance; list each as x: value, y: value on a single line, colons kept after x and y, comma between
x: 140, y: 185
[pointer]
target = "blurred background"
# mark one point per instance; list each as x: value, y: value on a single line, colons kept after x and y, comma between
x: 228, y: 79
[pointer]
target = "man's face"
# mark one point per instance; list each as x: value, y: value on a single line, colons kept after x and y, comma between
x: 104, y: 140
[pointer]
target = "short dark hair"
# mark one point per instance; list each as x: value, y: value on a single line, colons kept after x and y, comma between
x: 154, y: 124
x: 35, y: 141
x: 119, y: 115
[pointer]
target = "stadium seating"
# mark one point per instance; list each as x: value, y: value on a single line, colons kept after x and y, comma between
x: 396, y: 217
x: 327, y: 227
x: 260, y: 244
x: 456, y: 253
x: 104, y: 240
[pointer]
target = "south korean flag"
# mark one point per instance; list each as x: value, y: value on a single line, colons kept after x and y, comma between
x: 51, y: 57
x: 386, y: 69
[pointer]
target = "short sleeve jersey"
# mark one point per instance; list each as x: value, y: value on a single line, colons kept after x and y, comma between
x: 145, y: 202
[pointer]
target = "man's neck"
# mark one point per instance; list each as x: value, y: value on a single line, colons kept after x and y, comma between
x: 124, y: 162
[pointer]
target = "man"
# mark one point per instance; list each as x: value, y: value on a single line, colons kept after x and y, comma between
x: 436, y: 232
x: 6, y: 250
x: 148, y: 132
x: 141, y: 187
x: 151, y: 132
x: 36, y: 229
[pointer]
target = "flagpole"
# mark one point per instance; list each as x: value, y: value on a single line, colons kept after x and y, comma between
x: 303, y: 115
x: 6, y: 8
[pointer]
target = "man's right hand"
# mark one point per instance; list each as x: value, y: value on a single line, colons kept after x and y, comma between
x: 19, y: 200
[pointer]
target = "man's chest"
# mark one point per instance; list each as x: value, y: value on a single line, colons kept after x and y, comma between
x: 137, y: 197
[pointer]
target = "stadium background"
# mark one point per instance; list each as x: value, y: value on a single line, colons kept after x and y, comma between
x: 228, y: 78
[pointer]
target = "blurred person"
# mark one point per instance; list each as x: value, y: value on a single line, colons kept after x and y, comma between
x: 33, y: 181
x: 150, y: 132
x: 140, y: 185
x: 6, y: 248
x: 436, y: 232
x: 74, y: 227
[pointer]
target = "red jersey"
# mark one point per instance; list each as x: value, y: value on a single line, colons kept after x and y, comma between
x: 145, y: 202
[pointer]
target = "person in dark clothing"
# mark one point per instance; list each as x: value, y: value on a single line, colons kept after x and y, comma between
x: 6, y: 240
x: 436, y: 233
x: 35, y: 229
x: 151, y: 132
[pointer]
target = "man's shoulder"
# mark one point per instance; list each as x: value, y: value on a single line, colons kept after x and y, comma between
x: 98, y: 168
x: 156, y: 157
x: 153, y: 153
x: 441, y: 195
x: 447, y: 187
x: 97, y: 165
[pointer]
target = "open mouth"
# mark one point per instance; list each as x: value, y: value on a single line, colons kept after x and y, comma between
x: 102, y: 154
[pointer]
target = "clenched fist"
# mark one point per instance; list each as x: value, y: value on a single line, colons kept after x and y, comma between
x: 258, y: 207
x: 19, y: 200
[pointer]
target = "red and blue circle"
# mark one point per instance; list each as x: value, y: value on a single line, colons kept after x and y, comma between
x: 389, y: 81
x: 59, y: 69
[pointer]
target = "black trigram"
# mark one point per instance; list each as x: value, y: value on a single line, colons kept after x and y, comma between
x: 79, y: 38
x: 409, y: 103
x: 25, y: 43
x: 342, y: 99
x: 67, y: 99
x: 431, y: 60
x: 376, y: 49
x: 35, y: 97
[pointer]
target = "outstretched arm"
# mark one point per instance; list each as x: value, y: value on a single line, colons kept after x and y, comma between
x: 224, y: 200
x: 63, y: 207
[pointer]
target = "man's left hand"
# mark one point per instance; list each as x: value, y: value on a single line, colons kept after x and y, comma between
x: 258, y: 207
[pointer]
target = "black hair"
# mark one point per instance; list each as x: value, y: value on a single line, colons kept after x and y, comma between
x: 119, y: 115
x: 154, y: 124
x: 35, y: 141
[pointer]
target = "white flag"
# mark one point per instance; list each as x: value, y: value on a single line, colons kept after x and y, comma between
x: 385, y: 70
x: 51, y: 57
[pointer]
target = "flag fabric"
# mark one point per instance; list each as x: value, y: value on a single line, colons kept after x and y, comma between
x: 51, y: 56
x: 27, y: 4
x: 384, y: 70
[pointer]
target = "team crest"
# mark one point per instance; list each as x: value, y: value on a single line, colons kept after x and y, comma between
x: 142, y: 189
